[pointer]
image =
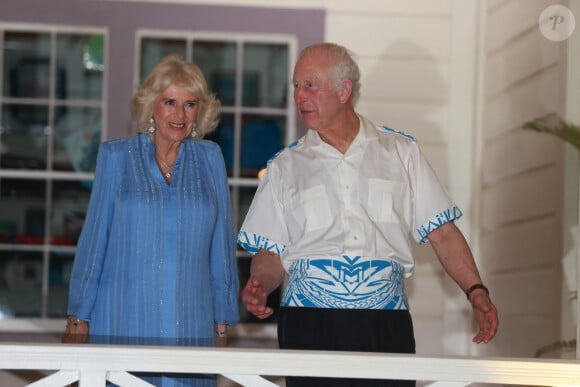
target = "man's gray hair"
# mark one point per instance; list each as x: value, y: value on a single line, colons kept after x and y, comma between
x: 345, y: 66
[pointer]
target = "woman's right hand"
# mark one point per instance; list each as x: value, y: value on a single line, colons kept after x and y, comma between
x: 76, y: 331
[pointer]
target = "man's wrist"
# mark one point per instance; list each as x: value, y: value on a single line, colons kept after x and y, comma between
x: 472, y: 288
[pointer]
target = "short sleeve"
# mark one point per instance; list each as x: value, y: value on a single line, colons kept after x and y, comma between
x: 433, y: 206
x: 264, y: 226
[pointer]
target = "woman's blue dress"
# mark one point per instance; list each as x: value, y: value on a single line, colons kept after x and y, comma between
x: 155, y: 263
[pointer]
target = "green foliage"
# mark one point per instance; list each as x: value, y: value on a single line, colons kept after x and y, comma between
x: 570, y: 133
x: 557, y: 127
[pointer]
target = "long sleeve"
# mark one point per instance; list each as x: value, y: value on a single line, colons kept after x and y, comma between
x: 225, y: 283
x: 92, y: 244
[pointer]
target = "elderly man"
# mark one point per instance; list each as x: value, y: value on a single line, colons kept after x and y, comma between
x: 333, y: 222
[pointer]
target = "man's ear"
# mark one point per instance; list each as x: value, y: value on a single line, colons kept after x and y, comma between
x: 345, y: 91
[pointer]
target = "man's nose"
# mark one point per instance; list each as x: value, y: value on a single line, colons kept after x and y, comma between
x: 298, y: 94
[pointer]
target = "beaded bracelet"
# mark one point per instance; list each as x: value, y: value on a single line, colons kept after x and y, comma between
x: 475, y: 287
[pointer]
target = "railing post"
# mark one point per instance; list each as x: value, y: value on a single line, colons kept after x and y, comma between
x: 92, y: 378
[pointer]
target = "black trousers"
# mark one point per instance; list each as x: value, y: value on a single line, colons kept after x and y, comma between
x: 346, y: 330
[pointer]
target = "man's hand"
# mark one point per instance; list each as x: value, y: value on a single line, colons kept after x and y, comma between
x: 486, y: 316
x: 456, y: 257
x: 255, y: 298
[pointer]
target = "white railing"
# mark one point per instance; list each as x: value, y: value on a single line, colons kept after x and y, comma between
x: 92, y: 365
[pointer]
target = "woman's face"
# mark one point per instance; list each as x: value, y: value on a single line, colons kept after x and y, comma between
x: 174, y: 113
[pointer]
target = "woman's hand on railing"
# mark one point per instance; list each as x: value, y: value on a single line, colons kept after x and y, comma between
x: 76, y: 331
x: 221, y: 332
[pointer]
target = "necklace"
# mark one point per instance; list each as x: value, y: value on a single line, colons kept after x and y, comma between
x: 167, y: 173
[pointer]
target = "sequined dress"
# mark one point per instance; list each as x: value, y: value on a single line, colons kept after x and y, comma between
x: 155, y: 263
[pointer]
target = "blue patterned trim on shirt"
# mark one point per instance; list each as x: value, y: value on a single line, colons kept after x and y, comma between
x: 387, y: 129
x: 346, y: 283
x: 438, y: 220
x: 282, y: 150
x: 252, y: 243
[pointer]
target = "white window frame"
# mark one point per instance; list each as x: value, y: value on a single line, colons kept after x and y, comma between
x: 46, y: 248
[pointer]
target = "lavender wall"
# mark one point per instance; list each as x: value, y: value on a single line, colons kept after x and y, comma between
x: 123, y: 19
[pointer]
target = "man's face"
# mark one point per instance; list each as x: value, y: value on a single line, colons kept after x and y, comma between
x: 315, y: 95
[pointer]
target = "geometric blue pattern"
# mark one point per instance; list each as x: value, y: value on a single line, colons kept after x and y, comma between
x: 252, y: 243
x: 387, y: 129
x: 437, y: 221
x: 346, y: 283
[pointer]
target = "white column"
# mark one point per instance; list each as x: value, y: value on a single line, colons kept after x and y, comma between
x: 462, y: 156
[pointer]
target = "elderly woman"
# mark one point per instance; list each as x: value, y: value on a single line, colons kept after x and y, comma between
x: 155, y: 263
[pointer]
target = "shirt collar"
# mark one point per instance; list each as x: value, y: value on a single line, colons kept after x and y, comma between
x: 367, y: 132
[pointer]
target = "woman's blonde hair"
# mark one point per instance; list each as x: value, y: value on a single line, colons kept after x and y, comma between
x: 175, y: 70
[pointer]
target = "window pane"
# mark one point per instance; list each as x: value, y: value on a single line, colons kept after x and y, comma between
x: 22, y: 210
x: 153, y: 50
x: 262, y: 138
x: 22, y: 136
x: 265, y: 75
x: 58, y: 280
x: 246, y: 194
x: 20, y: 283
x: 79, y: 72
x: 70, y: 200
x: 77, y: 136
x: 26, y: 65
x: 217, y: 61
x: 224, y: 136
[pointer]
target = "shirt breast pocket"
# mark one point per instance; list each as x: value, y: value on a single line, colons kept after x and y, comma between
x: 381, y: 200
x: 310, y: 208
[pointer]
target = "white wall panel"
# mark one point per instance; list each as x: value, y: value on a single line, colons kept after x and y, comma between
x: 424, y: 121
x: 514, y: 18
x: 518, y: 61
x: 522, y: 197
x: 399, y: 36
x: 492, y: 5
x: 428, y: 334
x: 404, y: 80
x: 518, y: 151
x: 524, y: 292
x: 520, y: 336
x: 512, y: 248
x: 528, y: 307
x: 426, y: 294
x: 536, y: 97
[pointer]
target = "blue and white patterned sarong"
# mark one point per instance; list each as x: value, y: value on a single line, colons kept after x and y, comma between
x: 346, y: 283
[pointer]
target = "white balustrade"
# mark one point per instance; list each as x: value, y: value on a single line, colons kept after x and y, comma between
x: 91, y: 365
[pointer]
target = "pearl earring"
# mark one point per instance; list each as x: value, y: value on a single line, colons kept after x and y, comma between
x: 193, y: 132
x: 151, y: 125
